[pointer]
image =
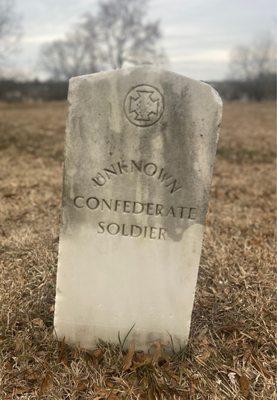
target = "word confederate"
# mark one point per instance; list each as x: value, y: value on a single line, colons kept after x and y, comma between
x: 135, y: 207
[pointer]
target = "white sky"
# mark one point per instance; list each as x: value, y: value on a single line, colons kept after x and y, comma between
x: 197, y: 34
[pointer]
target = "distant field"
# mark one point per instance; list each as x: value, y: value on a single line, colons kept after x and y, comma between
x: 231, y: 351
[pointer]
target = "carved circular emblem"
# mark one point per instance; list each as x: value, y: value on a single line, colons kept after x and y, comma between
x: 144, y: 105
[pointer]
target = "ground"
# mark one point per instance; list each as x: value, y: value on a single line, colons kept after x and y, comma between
x: 230, y: 354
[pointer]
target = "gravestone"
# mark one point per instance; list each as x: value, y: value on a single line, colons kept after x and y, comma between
x: 140, y: 148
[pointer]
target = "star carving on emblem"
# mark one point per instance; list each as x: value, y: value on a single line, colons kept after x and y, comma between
x: 144, y: 106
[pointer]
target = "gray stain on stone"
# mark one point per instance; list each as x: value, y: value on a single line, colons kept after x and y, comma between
x: 178, y: 133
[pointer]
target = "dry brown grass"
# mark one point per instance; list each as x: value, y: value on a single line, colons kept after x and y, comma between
x: 231, y: 351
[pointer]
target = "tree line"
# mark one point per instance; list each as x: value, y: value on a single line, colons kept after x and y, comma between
x: 120, y: 34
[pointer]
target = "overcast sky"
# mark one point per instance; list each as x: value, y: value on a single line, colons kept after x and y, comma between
x: 197, y: 34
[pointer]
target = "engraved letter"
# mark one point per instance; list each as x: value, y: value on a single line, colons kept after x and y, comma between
x: 126, y: 206
x: 110, y: 171
x: 162, y: 232
x: 152, y: 232
x: 123, y: 233
x: 163, y: 177
x: 150, y: 171
x: 90, y: 201
x: 111, y: 230
x: 108, y: 205
x: 192, y: 213
x: 78, y: 201
x: 101, y: 225
x: 117, y: 204
x: 138, y: 167
x: 122, y: 167
x: 159, y: 208
x: 182, y: 211
x: 98, y: 180
x: 171, y: 212
x: 138, y: 211
x: 139, y: 230
x: 174, y: 186
x: 149, y: 208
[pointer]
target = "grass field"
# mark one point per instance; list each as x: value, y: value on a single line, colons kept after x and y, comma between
x: 231, y: 351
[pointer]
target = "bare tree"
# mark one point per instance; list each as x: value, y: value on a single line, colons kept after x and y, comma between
x: 257, y: 59
x: 254, y: 67
x: 119, y: 34
x: 125, y: 34
x: 75, y: 55
x: 10, y: 28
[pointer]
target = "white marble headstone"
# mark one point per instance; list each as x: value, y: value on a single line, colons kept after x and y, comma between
x: 140, y: 148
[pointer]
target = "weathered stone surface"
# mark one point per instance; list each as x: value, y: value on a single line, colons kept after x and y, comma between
x: 140, y: 149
